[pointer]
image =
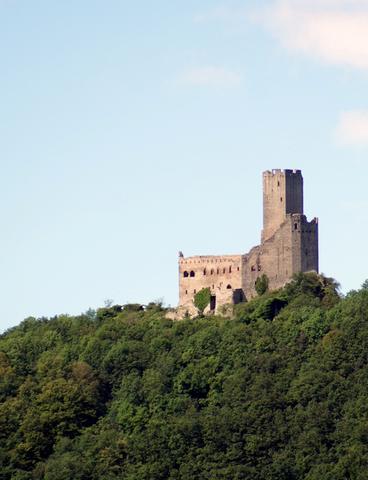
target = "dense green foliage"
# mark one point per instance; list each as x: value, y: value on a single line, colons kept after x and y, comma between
x: 262, y: 284
x: 278, y: 392
x: 202, y: 300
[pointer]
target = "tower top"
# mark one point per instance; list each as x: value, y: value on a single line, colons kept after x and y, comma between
x: 279, y: 171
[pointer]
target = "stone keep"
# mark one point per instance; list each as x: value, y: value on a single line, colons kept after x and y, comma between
x: 289, y: 244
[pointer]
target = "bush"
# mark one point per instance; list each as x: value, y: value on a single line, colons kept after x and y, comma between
x: 202, y: 300
x: 262, y: 284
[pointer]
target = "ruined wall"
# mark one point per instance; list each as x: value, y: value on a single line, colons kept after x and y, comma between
x: 291, y: 249
x: 304, y: 237
x: 274, y: 258
x: 222, y: 274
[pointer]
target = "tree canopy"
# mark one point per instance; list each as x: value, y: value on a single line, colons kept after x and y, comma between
x: 278, y: 392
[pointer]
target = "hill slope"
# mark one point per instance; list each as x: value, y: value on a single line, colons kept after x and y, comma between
x: 278, y: 392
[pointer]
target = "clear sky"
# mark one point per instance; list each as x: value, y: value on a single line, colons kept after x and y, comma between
x: 131, y: 130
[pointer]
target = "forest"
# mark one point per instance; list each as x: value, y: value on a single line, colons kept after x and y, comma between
x: 278, y: 391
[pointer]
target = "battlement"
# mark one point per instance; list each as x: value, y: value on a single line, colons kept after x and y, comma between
x: 207, y: 259
x: 192, y: 267
x: 286, y: 171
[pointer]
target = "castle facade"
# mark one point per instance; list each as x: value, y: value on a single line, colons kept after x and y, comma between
x: 289, y: 245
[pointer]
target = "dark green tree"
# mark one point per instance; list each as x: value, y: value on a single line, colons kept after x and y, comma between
x: 202, y: 300
x: 262, y: 284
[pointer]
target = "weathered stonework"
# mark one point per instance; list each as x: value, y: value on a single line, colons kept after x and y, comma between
x: 289, y: 244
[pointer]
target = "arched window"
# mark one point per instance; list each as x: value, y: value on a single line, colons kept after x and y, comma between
x: 229, y: 269
x: 229, y: 287
x: 204, y: 272
x: 218, y: 271
x: 185, y: 274
x: 224, y: 270
x: 212, y: 271
x: 192, y: 274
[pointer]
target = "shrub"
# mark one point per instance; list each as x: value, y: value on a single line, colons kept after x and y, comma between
x: 202, y: 300
x: 262, y: 284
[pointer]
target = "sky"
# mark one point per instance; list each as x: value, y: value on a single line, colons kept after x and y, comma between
x: 132, y: 130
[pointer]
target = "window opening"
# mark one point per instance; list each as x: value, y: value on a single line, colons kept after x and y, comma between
x: 186, y: 274
x: 192, y: 274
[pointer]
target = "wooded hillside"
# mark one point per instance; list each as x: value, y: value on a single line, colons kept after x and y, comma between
x: 278, y: 392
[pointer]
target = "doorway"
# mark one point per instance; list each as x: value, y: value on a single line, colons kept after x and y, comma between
x: 213, y: 303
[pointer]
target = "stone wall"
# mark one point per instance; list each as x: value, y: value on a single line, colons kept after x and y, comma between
x: 222, y: 274
x: 291, y: 249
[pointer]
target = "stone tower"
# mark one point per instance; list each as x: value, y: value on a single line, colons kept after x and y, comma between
x: 282, y: 195
x: 289, y: 245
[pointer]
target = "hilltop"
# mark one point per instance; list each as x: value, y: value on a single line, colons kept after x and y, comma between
x: 279, y: 391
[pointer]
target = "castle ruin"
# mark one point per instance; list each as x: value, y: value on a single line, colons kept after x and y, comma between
x: 289, y: 245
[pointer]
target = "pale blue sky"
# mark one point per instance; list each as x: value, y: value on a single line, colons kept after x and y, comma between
x: 131, y: 130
